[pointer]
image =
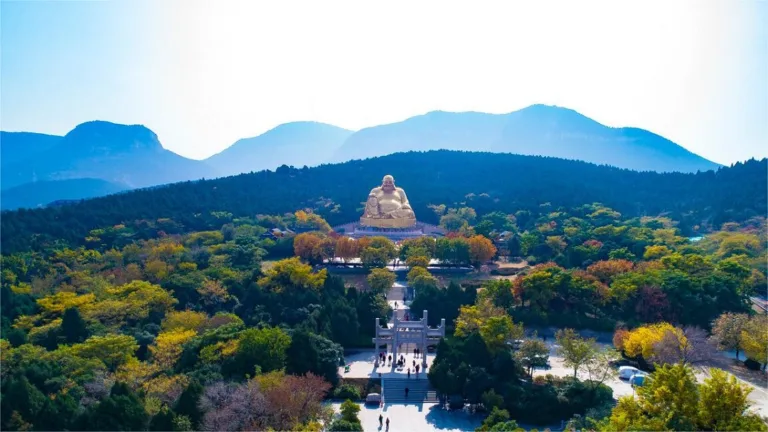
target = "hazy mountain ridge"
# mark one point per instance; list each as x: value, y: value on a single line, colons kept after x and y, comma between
x: 18, y: 146
x: 43, y: 193
x: 296, y: 143
x: 536, y: 130
x: 129, y: 155
x: 132, y: 155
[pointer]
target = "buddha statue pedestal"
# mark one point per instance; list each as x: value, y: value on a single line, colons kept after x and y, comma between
x: 388, y: 223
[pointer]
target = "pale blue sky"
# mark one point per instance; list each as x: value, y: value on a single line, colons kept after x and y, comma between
x: 203, y: 74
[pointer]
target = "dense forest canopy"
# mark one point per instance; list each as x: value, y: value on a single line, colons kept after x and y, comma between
x: 226, y: 322
x: 484, y: 181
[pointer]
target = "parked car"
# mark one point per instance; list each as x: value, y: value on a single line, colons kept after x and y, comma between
x: 515, y: 344
x: 626, y: 372
x: 638, y: 379
x: 373, y: 398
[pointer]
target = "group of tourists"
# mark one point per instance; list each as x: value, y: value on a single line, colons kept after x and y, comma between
x: 417, y: 352
x: 416, y: 368
x: 381, y: 420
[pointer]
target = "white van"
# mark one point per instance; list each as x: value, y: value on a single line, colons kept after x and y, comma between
x: 626, y: 372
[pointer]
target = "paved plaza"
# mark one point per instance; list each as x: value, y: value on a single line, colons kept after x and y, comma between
x: 416, y: 417
x: 362, y: 365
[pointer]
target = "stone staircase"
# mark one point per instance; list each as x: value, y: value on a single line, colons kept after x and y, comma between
x: 419, y: 390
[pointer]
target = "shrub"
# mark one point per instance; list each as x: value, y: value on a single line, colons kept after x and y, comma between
x: 751, y: 364
x: 342, y: 425
x: 347, y: 391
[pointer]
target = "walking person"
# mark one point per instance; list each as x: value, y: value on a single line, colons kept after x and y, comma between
x: 406, y: 392
x: 409, y: 373
x: 387, y: 423
x: 381, y: 421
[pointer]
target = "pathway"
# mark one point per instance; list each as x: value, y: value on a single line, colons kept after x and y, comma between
x: 395, y: 300
x: 415, y: 417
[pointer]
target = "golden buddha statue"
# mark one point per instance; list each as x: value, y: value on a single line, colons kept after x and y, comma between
x: 388, y: 207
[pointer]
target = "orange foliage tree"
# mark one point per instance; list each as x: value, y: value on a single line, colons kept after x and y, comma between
x: 346, y: 248
x: 607, y: 270
x: 313, y: 248
x: 480, y: 249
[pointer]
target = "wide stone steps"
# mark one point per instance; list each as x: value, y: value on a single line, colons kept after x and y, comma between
x: 419, y: 390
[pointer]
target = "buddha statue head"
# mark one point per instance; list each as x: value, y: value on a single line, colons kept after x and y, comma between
x: 388, y: 183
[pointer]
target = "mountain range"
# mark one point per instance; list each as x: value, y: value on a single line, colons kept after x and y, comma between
x: 131, y: 156
x: 538, y: 130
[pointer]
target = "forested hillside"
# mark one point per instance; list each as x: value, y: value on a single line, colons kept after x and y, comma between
x: 485, y: 181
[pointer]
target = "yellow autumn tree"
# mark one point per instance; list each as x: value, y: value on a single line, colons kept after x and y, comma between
x: 56, y: 304
x: 112, y: 350
x: 135, y: 373
x: 292, y: 272
x: 655, y: 252
x: 184, y: 320
x: 132, y: 301
x: 168, y: 347
x: 212, y: 292
x: 640, y: 341
x: 754, y: 339
x: 472, y: 318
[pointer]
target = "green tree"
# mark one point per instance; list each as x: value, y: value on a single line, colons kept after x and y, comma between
x: 122, y: 411
x: 417, y: 257
x: 313, y: 353
x: 378, y: 252
x: 22, y: 398
x: 349, y: 411
x: 498, y: 421
x: 499, y: 292
x: 575, y: 350
x: 380, y: 280
x: 533, y: 353
x: 265, y: 347
x: 419, y: 278
x: 162, y: 421
x: 497, y: 331
x: 349, y: 420
x: 188, y: 404
x: 73, y: 327
x: 726, y: 330
x: 724, y: 404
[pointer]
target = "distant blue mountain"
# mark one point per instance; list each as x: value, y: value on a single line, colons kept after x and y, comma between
x: 297, y: 144
x: 18, y: 146
x: 42, y: 193
x: 127, y: 155
x: 536, y: 130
